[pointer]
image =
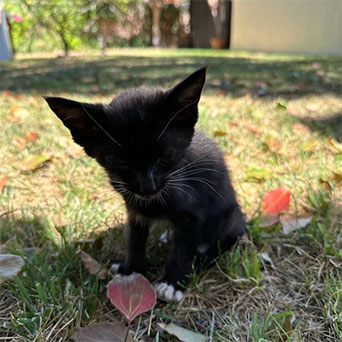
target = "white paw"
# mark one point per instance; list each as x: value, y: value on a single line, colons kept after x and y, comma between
x: 168, y: 292
x: 114, y: 268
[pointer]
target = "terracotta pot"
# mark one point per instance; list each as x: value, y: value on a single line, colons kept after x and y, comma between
x: 218, y: 43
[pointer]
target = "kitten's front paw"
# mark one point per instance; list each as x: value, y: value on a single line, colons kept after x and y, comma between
x: 168, y: 292
x: 114, y: 269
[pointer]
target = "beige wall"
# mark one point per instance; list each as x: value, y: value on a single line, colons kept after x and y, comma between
x: 308, y: 26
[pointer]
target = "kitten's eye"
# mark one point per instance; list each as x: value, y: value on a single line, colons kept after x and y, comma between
x: 114, y: 162
x: 162, y: 162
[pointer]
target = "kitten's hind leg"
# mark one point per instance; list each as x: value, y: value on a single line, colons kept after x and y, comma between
x: 229, y: 227
x: 136, y: 243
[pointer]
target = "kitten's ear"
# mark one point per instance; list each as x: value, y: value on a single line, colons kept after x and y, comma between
x: 189, y: 91
x: 78, y: 117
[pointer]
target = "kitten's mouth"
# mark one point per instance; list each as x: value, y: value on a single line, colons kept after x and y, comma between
x: 147, y: 196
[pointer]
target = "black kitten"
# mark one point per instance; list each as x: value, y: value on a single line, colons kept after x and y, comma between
x: 164, y: 169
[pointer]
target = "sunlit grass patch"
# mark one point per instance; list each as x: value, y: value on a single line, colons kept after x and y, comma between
x: 275, y: 117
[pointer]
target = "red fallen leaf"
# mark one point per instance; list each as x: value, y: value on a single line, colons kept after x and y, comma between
x: 32, y: 136
x: 3, y: 181
x: 102, y: 332
x: 132, y: 295
x: 6, y: 93
x: 276, y: 201
x: 93, y: 266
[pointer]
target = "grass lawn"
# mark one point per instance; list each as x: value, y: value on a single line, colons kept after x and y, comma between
x: 278, y: 119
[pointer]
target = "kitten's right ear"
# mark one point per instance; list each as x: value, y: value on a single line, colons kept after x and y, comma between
x: 189, y: 91
x: 78, y: 117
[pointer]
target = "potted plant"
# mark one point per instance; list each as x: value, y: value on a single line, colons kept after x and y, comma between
x: 218, y: 11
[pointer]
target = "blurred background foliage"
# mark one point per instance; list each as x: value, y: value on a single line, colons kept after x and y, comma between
x: 49, y: 25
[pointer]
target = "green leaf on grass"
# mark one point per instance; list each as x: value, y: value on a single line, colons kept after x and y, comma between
x: 257, y: 175
x: 35, y: 161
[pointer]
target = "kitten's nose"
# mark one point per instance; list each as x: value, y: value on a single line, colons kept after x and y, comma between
x: 147, y: 183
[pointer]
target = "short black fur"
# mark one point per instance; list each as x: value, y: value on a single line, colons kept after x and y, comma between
x: 164, y: 169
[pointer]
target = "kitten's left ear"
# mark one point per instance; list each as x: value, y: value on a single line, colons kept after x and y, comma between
x: 189, y: 91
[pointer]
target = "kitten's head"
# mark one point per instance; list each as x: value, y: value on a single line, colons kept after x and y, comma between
x: 140, y: 136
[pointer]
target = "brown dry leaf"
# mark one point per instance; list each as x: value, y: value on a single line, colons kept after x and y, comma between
x: 336, y: 145
x: 300, y: 129
x: 232, y: 124
x: 93, y: 266
x: 103, y: 332
x: 12, y: 118
x: 59, y: 220
x: 10, y: 265
x: 32, y: 136
x: 269, y: 220
x: 253, y: 129
x: 35, y: 161
x: 310, y: 145
x: 3, y: 181
x: 292, y: 223
x: 20, y: 142
x: 219, y: 133
x: 272, y: 143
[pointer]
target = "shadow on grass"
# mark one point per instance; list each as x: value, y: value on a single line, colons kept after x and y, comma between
x: 327, y: 126
x: 230, y: 75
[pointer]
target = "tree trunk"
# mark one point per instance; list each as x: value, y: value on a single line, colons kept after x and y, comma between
x: 65, y: 44
x: 156, y: 8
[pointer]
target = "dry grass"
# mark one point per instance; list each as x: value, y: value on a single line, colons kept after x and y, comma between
x: 272, y: 115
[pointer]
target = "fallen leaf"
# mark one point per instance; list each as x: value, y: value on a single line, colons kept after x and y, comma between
x: 102, y: 332
x: 253, y: 129
x: 272, y: 143
x: 300, y: 129
x: 281, y: 105
x: 3, y: 180
x: 219, y: 133
x: 292, y: 223
x: 276, y: 201
x: 183, y: 334
x: 132, y: 295
x: 310, y: 145
x: 10, y: 265
x: 257, y: 174
x: 232, y: 124
x: 336, y: 145
x: 34, y: 162
x: 59, y: 220
x: 32, y: 136
x: 269, y: 220
x: 20, y: 142
x: 93, y: 266
x: 6, y: 93
x: 12, y: 118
